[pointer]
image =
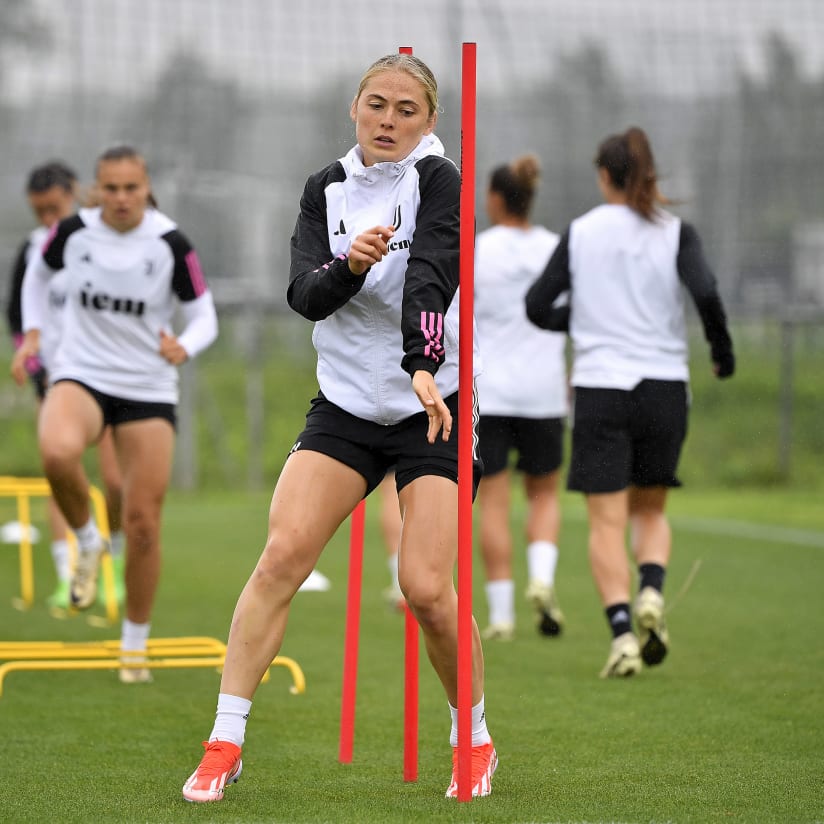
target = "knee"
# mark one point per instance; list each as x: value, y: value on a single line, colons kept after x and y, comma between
x: 433, y: 606
x: 142, y: 529
x: 114, y: 488
x: 57, y: 456
x: 282, y: 564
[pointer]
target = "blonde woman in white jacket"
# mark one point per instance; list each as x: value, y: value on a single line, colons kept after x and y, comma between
x: 375, y: 266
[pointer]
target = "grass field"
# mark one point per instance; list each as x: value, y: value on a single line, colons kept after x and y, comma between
x: 729, y: 728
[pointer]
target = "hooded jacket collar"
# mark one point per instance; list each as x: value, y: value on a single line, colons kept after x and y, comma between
x: 353, y: 161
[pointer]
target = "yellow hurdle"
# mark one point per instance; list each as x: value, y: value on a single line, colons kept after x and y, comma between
x: 161, y: 653
x: 25, y: 488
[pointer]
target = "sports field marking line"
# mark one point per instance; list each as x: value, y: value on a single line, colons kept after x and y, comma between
x: 757, y: 532
x: 771, y: 533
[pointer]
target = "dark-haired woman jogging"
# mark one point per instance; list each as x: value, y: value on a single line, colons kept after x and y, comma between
x: 624, y: 264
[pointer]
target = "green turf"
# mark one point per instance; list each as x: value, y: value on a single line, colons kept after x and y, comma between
x: 729, y: 728
x: 735, y: 426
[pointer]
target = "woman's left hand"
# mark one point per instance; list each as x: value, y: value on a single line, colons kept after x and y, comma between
x: 172, y: 350
x: 440, y: 418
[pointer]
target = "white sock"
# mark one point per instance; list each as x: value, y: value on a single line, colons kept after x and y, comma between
x: 392, y: 563
x: 117, y: 542
x: 133, y: 637
x: 480, y: 734
x: 230, y: 719
x: 500, y: 598
x: 541, y: 559
x: 88, y: 538
x: 62, y: 562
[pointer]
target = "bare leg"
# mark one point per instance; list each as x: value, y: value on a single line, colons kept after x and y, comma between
x: 145, y: 452
x: 429, y: 549
x: 57, y: 523
x: 544, y: 510
x: 70, y: 420
x: 313, y: 496
x: 608, y: 517
x: 650, y: 529
x: 110, y: 475
x: 496, y: 538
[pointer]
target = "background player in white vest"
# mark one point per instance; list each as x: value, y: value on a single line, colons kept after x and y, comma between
x: 522, y: 396
x: 126, y: 269
x: 624, y: 264
x: 52, y: 193
x: 375, y: 265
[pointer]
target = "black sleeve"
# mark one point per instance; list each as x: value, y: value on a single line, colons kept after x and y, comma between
x: 433, y: 270
x: 542, y: 295
x: 188, y: 281
x: 699, y: 280
x: 318, y: 284
x: 14, y: 311
x: 55, y: 244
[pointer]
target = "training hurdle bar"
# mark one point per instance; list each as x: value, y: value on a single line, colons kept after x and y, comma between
x: 161, y: 653
x: 25, y: 488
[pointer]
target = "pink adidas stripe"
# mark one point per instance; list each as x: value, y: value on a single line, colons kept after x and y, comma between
x: 196, y: 273
x: 432, y: 328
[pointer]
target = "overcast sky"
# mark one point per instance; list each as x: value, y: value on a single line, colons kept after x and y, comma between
x: 680, y: 44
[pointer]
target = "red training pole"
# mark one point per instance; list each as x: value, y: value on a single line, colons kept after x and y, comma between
x: 466, y: 397
x: 350, y: 649
x: 410, y: 705
x: 411, y: 658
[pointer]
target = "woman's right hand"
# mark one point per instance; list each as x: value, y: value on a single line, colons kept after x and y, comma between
x: 440, y: 418
x: 24, y: 356
x: 368, y: 248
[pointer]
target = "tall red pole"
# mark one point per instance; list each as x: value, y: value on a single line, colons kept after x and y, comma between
x: 350, y: 648
x: 465, y: 419
x: 411, y: 679
x: 410, y: 696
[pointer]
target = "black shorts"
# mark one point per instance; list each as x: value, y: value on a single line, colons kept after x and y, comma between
x: 121, y: 410
x: 372, y: 449
x: 539, y: 443
x: 627, y: 438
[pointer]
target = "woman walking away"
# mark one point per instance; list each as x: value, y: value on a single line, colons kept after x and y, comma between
x: 624, y: 264
x: 522, y: 396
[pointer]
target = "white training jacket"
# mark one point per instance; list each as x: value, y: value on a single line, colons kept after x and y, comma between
x: 524, y: 372
x: 122, y: 289
x: 624, y: 276
x: 372, y: 332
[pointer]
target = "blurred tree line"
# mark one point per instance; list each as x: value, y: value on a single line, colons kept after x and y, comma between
x: 230, y: 165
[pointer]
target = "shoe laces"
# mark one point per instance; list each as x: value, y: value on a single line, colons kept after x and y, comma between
x: 220, y: 757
